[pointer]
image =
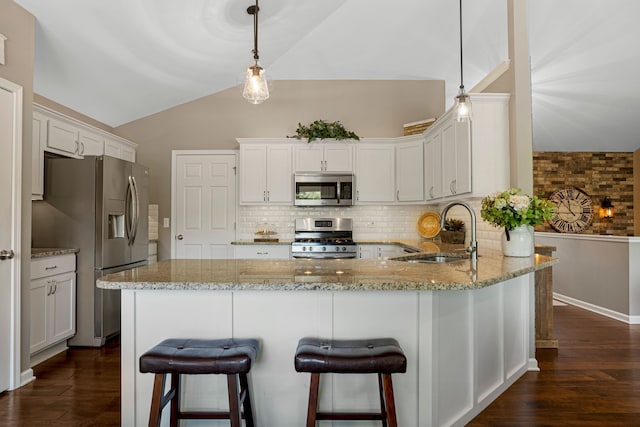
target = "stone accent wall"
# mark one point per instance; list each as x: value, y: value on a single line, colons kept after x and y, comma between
x: 599, y: 175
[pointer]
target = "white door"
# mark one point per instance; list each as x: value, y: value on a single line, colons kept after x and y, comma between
x: 10, y: 200
x: 204, y: 204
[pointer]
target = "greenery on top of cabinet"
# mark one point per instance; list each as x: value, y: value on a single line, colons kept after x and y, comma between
x: 321, y: 129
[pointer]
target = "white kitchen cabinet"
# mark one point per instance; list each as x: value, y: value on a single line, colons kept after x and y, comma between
x: 62, y: 135
x: 259, y: 251
x: 409, y: 170
x: 91, y: 143
x: 53, y: 301
x: 380, y: 251
x: 266, y: 175
x: 120, y: 149
x: 323, y: 156
x: 62, y: 138
x: 375, y: 166
x: 475, y: 156
x: 38, y: 140
x: 433, y: 167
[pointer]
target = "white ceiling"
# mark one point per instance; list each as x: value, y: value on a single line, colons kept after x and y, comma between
x: 120, y: 60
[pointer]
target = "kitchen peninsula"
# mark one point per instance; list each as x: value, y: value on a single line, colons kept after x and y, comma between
x: 468, y: 334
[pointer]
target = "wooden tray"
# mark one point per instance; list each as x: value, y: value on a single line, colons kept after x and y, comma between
x: 429, y: 225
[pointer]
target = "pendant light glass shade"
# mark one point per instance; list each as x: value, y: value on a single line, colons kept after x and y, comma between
x: 256, y: 89
x: 462, y: 111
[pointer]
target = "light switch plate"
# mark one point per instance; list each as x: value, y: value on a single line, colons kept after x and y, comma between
x: 165, y: 222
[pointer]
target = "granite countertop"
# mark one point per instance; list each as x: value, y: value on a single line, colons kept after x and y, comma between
x: 45, y: 252
x: 251, y: 242
x: 324, y: 274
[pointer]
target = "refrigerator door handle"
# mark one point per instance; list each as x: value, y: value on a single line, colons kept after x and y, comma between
x: 136, y: 209
x: 128, y: 209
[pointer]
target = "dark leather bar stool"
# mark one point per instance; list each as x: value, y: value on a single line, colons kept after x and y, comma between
x: 381, y: 356
x: 179, y: 356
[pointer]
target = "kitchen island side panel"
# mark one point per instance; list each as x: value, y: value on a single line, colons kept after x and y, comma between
x: 427, y: 324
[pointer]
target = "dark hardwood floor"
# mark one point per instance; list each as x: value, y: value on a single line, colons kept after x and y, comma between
x: 592, y: 380
x: 78, y: 388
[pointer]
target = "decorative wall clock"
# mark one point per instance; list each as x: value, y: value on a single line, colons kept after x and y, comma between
x: 574, y: 212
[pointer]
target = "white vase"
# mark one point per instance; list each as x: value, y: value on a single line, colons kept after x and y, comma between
x: 520, y: 243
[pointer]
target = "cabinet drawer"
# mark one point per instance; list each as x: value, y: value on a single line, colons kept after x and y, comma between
x: 262, y: 251
x: 48, y: 266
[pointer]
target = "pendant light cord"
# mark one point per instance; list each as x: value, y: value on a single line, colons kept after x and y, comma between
x: 461, y: 73
x: 255, y: 32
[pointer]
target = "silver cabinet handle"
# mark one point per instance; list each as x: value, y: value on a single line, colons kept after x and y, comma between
x: 53, y: 267
x: 398, y: 195
x: 357, y: 194
x: 6, y: 254
x: 431, y: 192
x: 179, y: 237
x: 81, y: 149
x: 268, y: 195
x: 49, y: 287
x: 264, y: 195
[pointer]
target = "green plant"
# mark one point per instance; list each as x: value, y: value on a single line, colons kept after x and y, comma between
x: 453, y: 224
x: 321, y: 129
x: 511, y: 208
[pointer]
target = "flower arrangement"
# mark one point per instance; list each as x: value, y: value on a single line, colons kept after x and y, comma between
x: 511, y: 208
x: 321, y: 129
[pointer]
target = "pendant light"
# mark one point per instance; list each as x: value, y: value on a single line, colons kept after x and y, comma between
x: 255, y: 89
x: 462, y: 111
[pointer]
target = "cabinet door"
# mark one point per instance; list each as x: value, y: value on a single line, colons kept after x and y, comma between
x: 62, y: 299
x: 262, y: 251
x: 433, y: 167
x: 39, y: 313
x: 119, y: 150
x: 449, y: 158
x: 62, y: 138
x: 463, y: 158
x: 338, y: 157
x: 253, y: 173
x: 38, y: 141
x: 375, y: 180
x: 308, y: 157
x: 91, y: 144
x: 367, y: 251
x: 279, y: 174
x: 409, y: 172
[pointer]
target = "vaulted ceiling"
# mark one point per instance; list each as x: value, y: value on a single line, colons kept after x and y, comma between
x: 120, y: 60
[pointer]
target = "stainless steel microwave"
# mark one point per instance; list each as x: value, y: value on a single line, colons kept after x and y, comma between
x: 323, y: 189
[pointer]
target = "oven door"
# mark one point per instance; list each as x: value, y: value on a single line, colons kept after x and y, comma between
x: 323, y: 190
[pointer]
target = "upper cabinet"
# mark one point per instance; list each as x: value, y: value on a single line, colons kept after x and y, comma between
x: 266, y: 175
x: 469, y: 159
x: 56, y: 133
x: 375, y: 171
x: 409, y: 169
x: 323, y: 156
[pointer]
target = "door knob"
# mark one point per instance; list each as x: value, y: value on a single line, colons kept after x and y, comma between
x: 6, y: 254
x: 179, y: 237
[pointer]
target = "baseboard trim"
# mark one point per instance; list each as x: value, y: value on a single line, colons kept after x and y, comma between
x: 26, y: 377
x: 631, y: 320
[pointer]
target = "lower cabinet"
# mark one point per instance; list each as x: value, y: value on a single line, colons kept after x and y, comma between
x: 259, y: 251
x: 53, y: 301
x: 383, y: 251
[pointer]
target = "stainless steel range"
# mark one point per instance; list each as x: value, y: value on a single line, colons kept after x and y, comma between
x: 324, y: 238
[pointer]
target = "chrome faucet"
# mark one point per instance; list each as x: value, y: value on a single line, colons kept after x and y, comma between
x: 473, y: 245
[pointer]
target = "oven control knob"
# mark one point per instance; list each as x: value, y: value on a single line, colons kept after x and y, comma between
x: 344, y: 248
x: 337, y: 249
x: 324, y: 248
x: 304, y: 248
x: 310, y: 248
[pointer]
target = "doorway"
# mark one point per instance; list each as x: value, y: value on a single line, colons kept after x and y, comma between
x: 10, y: 239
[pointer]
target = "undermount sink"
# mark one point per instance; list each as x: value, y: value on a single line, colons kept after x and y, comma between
x: 434, y: 258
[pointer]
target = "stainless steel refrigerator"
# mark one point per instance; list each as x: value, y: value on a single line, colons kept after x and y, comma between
x: 100, y: 206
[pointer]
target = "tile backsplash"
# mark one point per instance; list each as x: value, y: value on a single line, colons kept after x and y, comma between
x: 370, y: 222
